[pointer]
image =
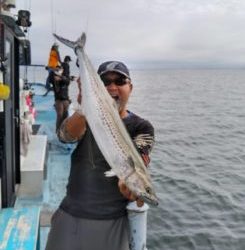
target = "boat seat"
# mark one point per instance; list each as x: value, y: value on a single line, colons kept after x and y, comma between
x: 19, y: 228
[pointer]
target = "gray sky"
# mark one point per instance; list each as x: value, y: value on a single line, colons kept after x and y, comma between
x: 143, y: 33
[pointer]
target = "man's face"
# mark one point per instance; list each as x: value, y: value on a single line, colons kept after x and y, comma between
x: 119, y: 88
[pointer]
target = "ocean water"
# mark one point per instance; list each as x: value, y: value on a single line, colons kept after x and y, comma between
x: 197, y: 163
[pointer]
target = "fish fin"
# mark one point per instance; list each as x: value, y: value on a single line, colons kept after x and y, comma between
x: 131, y: 161
x: 110, y: 173
x: 81, y: 40
x: 74, y: 45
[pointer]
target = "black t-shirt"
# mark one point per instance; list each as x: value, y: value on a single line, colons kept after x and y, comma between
x: 89, y: 193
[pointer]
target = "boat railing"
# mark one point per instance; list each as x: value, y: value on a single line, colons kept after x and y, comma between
x: 34, y: 74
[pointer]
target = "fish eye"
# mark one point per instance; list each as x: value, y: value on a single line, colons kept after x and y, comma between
x: 148, y: 190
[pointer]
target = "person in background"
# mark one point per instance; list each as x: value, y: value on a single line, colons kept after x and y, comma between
x: 61, y: 92
x: 54, y: 62
x: 93, y: 214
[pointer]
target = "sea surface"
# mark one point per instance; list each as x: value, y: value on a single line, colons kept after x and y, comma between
x: 198, y: 160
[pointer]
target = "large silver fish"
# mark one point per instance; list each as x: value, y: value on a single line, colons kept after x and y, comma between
x: 108, y: 129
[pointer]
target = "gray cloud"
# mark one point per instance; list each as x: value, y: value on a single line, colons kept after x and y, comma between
x: 167, y: 32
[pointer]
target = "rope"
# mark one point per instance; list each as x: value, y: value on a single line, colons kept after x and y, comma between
x: 53, y: 17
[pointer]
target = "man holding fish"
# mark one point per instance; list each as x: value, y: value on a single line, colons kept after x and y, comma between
x: 94, y: 213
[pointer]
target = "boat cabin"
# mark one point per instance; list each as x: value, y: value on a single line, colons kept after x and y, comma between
x: 14, y: 51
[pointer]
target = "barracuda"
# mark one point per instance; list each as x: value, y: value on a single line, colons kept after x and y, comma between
x: 102, y: 115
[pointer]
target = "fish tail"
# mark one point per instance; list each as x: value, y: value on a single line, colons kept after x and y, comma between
x: 79, y: 44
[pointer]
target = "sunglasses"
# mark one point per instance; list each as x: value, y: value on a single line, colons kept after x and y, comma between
x: 119, y: 81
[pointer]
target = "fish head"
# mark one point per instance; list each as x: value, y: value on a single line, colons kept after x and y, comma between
x: 141, y: 186
x: 149, y: 197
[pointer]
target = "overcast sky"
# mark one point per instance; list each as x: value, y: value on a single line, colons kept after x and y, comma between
x: 179, y: 33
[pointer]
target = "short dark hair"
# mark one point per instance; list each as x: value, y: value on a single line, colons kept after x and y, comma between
x: 67, y: 59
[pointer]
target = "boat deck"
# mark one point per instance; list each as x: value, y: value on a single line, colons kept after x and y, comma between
x: 58, y: 164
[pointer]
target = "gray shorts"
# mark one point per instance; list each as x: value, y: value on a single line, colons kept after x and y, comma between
x: 71, y: 233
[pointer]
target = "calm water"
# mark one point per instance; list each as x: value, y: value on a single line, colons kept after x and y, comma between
x: 198, y: 160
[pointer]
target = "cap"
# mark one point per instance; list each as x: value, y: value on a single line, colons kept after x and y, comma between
x: 56, y: 45
x: 113, y: 66
x: 67, y: 58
